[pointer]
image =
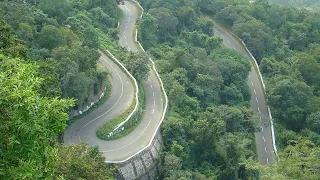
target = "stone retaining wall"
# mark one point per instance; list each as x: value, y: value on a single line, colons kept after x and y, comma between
x: 143, y: 166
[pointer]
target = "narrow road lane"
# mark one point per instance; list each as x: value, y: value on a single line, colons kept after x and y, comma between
x: 141, y: 136
x: 84, y: 130
x: 121, y: 97
x: 257, y: 102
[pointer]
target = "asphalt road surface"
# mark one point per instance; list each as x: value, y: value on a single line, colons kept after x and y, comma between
x: 257, y: 102
x: 142, y: 135
x: 122, y: 94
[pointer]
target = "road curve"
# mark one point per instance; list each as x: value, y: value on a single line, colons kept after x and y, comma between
x: 258, y: 103
x: 141, y: 136
x: 121, y: 97
x: 122, y: 93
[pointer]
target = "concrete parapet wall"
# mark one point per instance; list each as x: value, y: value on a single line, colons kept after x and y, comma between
x: 144, y: 165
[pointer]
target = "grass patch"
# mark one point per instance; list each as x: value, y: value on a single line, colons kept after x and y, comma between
x: 104, y: 131
x: 101, y: 101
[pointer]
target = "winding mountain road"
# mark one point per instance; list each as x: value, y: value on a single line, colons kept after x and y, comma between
x: 84, y: 130
x: 258, y: 103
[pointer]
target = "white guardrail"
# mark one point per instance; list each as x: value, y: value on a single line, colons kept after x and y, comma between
x: 164, y: 93
x: 264, y: 88
x: 256, y: 63
x: 120, y: 127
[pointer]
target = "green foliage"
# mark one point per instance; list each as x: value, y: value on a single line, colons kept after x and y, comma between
x: 171, y: 164
x: 30, y: 123
x: 103, y: 131
x: 299, y: 160
x: 66, y: 32
x: 166, y: 23
x: 297, y: 3
x: 308, y: 67
x: 200, y: 76
x: 285, y: 41
x: 100, y: 18
x: 82, y: 162
x: 91, y: 38
x: 15, y: 13
x: 59, y: 9
x: 148, y: 32
x: 51, y: 37
x: 233, y: 67
x: 138, y: 65
x: 204, y: 137
x: 25, y: 32
x: 61, y: 63
x: 288, y: 99
x: 254, y: 33
x: 313, y: 122
x: 9, y: 44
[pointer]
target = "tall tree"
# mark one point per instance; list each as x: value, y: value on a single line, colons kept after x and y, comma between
x: 30, y: 123
x: 138, y: 65
x: 288, y: 99
x: 299, y: 160
x: 82, y: 162
x: 148, y: 34
x: 166, y: 22
x: 51, y: 37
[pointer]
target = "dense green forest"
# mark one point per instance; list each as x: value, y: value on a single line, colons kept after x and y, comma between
x: 48, y: 55
x: 286, y: 42
x: 312, y: 4
x: 63, y: 37
x: 209, y: 129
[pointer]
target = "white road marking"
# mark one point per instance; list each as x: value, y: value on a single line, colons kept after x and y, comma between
x: 154, y: 102
x: 153, y: 94
x: 152, y: 111
x: 252, y: 83
x: 126, y: 43
x: 265, y: 149
x: 261, y: 128
x: 151, y: 86
x: 234, y: 48
x: 250, y: 76
x: 259, y: 109
x: 139, y: 136
x: 228, y: 41
x: 223, y: 36
x: 264, y: 140
x: 257, y: 100
x: 260, y: 118
x: 130, y: 142
x: 268, y: 161
x: 111, y: 107
x: 128, y: 10
x: 254, y: 90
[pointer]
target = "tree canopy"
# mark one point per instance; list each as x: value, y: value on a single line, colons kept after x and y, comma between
x: 48, y: 65
x: 207, y: 88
